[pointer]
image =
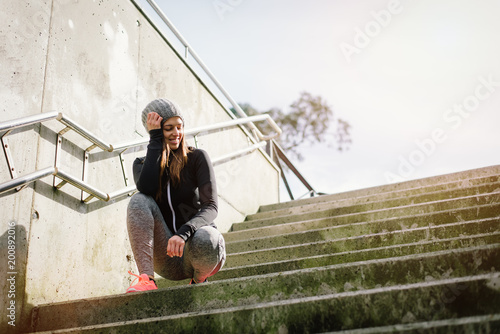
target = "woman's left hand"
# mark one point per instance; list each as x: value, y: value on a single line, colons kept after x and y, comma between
x: 175, y: 246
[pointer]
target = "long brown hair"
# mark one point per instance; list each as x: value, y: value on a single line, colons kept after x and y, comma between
x: 175, y: 164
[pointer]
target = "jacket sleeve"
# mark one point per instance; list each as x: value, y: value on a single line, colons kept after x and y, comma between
x: 207, y: 189
x: 147, y: 170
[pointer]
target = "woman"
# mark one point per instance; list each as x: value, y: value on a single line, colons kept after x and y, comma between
x: 170, y: 220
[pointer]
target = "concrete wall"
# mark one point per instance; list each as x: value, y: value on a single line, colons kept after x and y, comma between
x: 100, y: 63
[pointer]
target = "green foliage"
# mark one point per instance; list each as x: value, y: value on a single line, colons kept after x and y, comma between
x: 309, y: 121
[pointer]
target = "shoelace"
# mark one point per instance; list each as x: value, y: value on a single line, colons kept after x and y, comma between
x: 141, y: 280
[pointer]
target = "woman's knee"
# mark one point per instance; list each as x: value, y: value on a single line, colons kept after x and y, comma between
x: 141, y: 209
x: 207, y: 242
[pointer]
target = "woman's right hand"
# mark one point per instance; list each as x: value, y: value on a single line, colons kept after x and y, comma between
x: 153, y: 121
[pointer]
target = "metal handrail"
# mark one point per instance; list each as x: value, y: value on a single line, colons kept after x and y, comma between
x: 26, y: 179
x: 29, y: 120
x: 84, y: 133
x: 84, y: 186
x: 51, y: 115
x: 92, y: 191
x: 190, y: 50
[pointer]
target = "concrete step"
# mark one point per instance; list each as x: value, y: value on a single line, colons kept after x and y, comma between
x: 412, y: 186
x: 360, y: 215
x: 374, y: 202
x: 272, y: 287
x: 469, y: 296
x: 463, y: 178
x: 447, y: 216
x: 488, y: 324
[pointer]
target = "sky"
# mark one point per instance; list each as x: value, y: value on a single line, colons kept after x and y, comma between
x: 419, y: 81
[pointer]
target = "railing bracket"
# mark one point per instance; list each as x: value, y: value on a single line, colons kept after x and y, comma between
x: 63, y: 131
x: 8, y: 156
x: 91, y: 147
x: 84, y: 173
x: 6, y: 133
x: 86, y: 200
x: 57, y: 159
x: 195, y: 137
x: 10, y: 160
x: 60, y: 184
x: 124, y: 171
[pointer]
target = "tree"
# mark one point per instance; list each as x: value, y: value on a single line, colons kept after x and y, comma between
x: 308, y: 122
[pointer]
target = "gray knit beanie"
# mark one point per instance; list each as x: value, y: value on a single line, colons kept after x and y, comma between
x: 163, y: 107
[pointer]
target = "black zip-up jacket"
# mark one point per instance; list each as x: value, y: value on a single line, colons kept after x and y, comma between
x: 190, y: 205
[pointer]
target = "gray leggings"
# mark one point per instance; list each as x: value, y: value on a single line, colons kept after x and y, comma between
x: 204, y: 253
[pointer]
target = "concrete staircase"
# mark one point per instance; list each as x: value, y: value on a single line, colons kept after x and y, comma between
x: 415, y: 257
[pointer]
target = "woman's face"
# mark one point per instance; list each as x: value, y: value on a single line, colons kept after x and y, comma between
x: 173, y: 131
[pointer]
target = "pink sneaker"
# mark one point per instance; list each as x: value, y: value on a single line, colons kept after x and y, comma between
x: 144, y: 284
